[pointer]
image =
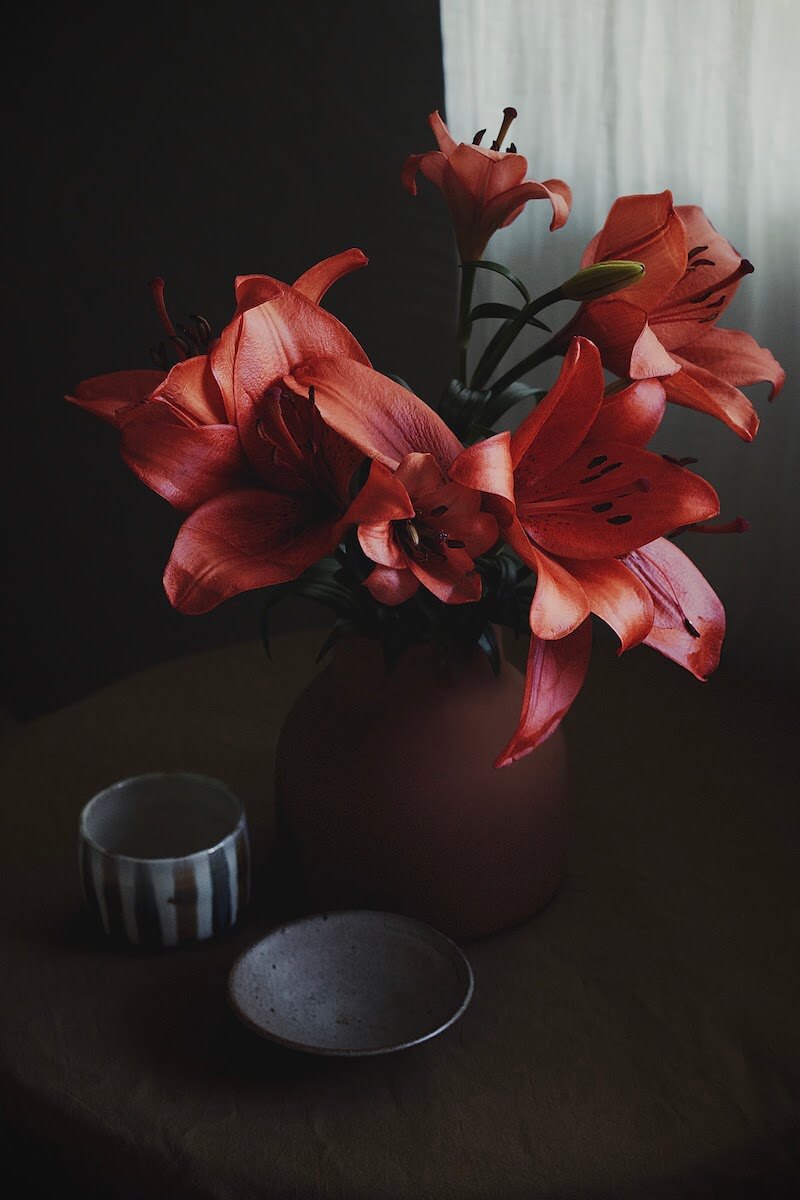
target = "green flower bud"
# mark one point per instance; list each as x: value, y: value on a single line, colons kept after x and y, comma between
x: 601, y: 279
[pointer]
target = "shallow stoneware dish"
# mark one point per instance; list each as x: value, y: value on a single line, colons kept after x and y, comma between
x: 352, y: 983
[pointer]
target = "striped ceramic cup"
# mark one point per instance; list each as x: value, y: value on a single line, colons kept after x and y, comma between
x: 165, y: 858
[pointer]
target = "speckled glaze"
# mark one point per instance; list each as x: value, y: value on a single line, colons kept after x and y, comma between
x: 164, y: 859
x: 387, y: 797
x: 351, y: 983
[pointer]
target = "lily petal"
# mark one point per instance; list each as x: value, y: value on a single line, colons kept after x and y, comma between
x: 486, y: 467
x: 556, y: 428
x: 445, y: 140
x: 382, y: 501
x: 187, y: 465
x: 694, y: 387
x: 645, y: 229
x: 559, y: 603
x: 389, y: 586
x: 107, y: 395
x: 632, y: 414
x: 380, y: 545
x: 314, y: 283
x: 506, y: 207
x: 239, y: 541
x: 382, y: 498
x: 617, y: 596
x: 264, y: 343
x: 420, y: 474
x: 610, y: 498
x: 452, y: 578
x: 689, y: 623
x: 714, y: 272
x: 736, y: 358
x: 193, y: 392
x: 382, y: 418
x: 433, y: 166
x: 554, y: 676
x: 627, y: 343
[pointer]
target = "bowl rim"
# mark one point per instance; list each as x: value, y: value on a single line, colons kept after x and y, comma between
x: 445, y: 944
x: 84, y: 837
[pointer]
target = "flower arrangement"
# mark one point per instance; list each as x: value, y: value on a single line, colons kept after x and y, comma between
x: 303, y: 470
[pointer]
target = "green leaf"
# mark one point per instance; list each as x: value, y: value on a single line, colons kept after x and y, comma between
x: 339, y: 630
x: 461, y: 405
x: 487, y: 642
x: 490, y: 309
x: 512, y: 394
x: 499, y: 269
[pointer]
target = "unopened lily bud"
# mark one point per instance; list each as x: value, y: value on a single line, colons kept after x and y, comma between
x: 601, y: 279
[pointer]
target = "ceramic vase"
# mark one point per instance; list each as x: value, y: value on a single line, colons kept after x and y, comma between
x: 387, y: 797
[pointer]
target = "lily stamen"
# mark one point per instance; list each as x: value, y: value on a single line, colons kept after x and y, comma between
x: 157, y: 286
x: 687, y: 311
x: 509, y: 115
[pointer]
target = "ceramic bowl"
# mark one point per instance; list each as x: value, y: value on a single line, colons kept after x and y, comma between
x: 352, y: 982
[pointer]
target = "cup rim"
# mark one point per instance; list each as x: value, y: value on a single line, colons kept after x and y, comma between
x: 196, y: 776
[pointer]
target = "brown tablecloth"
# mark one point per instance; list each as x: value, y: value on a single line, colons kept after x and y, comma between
x: 640, y: 1037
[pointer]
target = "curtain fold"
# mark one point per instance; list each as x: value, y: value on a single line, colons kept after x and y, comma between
x: 701, y: 96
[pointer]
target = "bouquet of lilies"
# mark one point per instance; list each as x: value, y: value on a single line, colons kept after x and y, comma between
x: 303, y: 470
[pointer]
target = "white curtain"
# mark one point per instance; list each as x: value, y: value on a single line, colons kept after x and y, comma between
x: 701, y: 96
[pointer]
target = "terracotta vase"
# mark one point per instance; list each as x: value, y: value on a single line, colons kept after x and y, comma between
x: 387, y: 797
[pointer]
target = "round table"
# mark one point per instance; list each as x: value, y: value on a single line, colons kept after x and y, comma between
x: 639, y: 1037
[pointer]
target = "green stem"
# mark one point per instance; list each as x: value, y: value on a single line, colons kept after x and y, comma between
x: 505, y: 337
x: 545, y: 352
x: 464, y: 331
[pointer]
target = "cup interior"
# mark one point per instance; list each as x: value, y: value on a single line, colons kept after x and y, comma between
x: 161, y: 816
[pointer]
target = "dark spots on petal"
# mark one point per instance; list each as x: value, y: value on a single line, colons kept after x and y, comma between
x: 689, y: 627
x: 679, y: 462
x: 702, y: 262
x: 439, y: 511
x: 610, y: 467
x: 597, y: 461
x: 455, y: 544
x: 622, y: 519
x: 591, y: 478
x: 643, y: 485
x: 604, y: 507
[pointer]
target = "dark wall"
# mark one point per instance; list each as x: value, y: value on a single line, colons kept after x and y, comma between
x: 196, y: 142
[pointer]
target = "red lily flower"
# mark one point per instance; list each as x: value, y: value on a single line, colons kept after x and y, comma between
x: 664, y: 326
x: 265, y: 479
x: 571, y: 487
x: 432, y: 528
x: 484, y: 189
x: 574, y: 491
x: 179, y: 430
x: 432, y: 536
